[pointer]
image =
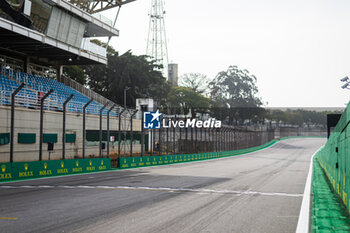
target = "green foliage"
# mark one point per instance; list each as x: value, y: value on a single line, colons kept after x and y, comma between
x: 235, y: 88
x: 299, y: 116
x: 233, y: 93
x: 136, y: 72
x: 196, y: 81
x: 186, y: 99
x: 76, y: 73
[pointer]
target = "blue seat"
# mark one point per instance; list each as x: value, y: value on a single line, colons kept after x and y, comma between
x: 43, y: 84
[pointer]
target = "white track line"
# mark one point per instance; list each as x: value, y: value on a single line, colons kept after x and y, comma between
x: 304, y: 215
x: 162, y: 189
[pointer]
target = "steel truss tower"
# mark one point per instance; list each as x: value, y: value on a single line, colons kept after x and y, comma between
x: 156, y: 41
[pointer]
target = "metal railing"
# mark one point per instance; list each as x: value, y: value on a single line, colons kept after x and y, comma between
x: 29, y: 99
x: 84, y: 90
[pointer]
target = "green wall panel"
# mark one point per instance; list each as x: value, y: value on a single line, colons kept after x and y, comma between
x: 71, y: 138
x: 4, y: 138
x: 26, y: 138
x: 50, y: 137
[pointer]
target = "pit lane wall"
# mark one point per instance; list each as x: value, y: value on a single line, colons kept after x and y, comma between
x: 40, y: 169
x: 334, y: 158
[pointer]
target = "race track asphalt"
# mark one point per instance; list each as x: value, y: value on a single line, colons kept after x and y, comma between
x: 257, y: 192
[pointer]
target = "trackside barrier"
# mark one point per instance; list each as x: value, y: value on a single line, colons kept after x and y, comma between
x: 39, y: 169
x: 334, y: 158
x: 146, y: 161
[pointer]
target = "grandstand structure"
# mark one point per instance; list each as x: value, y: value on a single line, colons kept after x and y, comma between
x: 44, y: 115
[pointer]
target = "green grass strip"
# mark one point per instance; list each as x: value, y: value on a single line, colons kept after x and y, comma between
x: 328, y: 213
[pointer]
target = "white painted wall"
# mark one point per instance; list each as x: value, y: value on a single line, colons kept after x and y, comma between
x: 28, y: 121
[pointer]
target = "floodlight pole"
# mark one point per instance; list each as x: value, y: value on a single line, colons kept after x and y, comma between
x: 13, y: 119
x: 64, y: 127
x: 41, y: 123
x: 84, y: 122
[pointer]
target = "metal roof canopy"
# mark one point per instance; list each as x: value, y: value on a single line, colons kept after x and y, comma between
x: 93, y: 30
x: 95, y: 27
x: 21, y: 41
x: 94, y: 6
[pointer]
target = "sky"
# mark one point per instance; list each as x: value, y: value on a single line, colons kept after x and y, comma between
x: 298, y: 50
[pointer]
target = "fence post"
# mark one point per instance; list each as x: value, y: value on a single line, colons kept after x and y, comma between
x: 41, y: 124
x: 142, y: 134
x: 160, y: 139
x: 131, y: 132
x: 205, y: 141
x: 109, y: 110
x: 13, y: 119
x: 84, y: 122
x: 100, y: 133
x: 167, y: 138
x: 174, y: 138
x: 64, y: 127
x: 119, y: 131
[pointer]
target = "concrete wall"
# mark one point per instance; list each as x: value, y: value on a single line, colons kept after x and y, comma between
x: 28, y: 121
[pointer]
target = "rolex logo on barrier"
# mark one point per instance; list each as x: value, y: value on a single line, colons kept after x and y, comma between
x: 77, y: 163
x: 90, y: 162
x: 26, y: 166
x: 45, y: 165
x: 102, y: 162
x: 3, y: 168
x: 62, y: 164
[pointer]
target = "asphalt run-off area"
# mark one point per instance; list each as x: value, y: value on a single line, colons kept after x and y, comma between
x: 256, y: 192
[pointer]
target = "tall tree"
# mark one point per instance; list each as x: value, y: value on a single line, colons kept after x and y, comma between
x: 196, y: 81
x: 186, y: 99
x: 136, y: 72
x: 235, y: 90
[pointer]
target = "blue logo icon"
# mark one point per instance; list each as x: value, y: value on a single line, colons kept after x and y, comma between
x: 151, y: 120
